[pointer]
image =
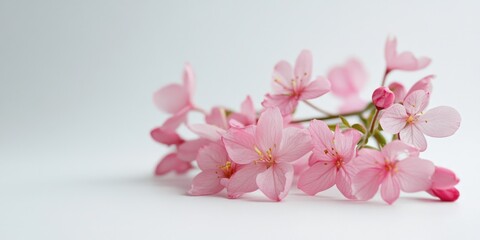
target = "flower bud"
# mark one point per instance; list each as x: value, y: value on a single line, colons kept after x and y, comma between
x: 383, y: 98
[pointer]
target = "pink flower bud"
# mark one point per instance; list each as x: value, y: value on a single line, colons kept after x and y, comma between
x: 383, y: 98
x: 446, y: 195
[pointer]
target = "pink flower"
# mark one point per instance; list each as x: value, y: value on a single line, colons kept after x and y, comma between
x: 217, y: 168
x: 382, y: 98
x: 411, y: 123
x: 404, y: 61
x: 443, y: 185
x: 400, y: 93
x: 396, y: 167
x: 346, y: 82
x: 166, y: 134
x: 267, y: 149
x: 290, y: 87
x: 332, y: 154
x: 170, y: 163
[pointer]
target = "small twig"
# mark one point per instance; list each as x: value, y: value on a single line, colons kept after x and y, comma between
x: 357, y: 113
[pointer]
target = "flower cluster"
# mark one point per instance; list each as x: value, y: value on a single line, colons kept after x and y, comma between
x: 244, y: 151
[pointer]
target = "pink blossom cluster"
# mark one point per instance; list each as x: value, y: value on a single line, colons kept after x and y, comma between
x: 269, y: 150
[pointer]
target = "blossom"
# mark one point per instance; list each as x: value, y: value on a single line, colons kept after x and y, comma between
x: 411, y: 123
x: 443, y: 185
x: 171, y: 163
x: 291, y: 86
x: 217, y: 168
x: 267, y: 150
x: 332, y: 154
x: 346, y: 82
x: 383, y: 98
x: 402, y: 61
x: 400, y: 93
x: 396, y: 167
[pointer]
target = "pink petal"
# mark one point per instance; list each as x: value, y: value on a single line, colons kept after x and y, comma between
x: 171, y: 163
x: 414, y: 174
x: 394, y: 118
x: 368, y: 158
x: 444, y: 178
x: 319, y: 177
x: 413, y: 136
x: 416, y: 102
x: 347, y: 80
x: 344, y: 181
x: 354, y: 134
x: 275, y: 182
x: 446, y: 195
x: 398, y: 150
x: 268, y: 133
x: 240, y: 145
x: 217, y: 117
x: 390, y: 189
x: 399, y: 90
x: 439, y: 122
x: 366, y: 183
x: 422, y: 84
x: 344, y: 145
x: 171, y: 98
x: 390, y: 51
x: 166, y: 137
x: 244, y: 180
x: 206, y: 183
x: 295, y: 144
x: 286, y: 103
x: 282, y: 78
x: 303, y: 67
x: 189, y: 81
x: 177, y: 119
x: 322, y: 139
x: 207, y: 131
x: 248, y: 110
x: 212, y: 156
x: 188, y: 150
x: 315, y: 88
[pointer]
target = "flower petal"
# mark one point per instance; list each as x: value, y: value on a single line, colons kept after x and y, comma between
x: 248, y: 110
x: 414, y: 174
x: 368, y: 158
x: 322, y: 139
x: 240, y: 145
x: 217, y: 117
x: 319, y: 177
x: 244, y: 180
x: 422, y: 84
x: 303, y: 67
x: 206, y: 183
x: 416, y: 102
x: 390, y: 189
x: 171, y: 163
x: 282, y: 78
x: 276, y: 181
x: 212, y: 156
x: 171, y: 98
x: 394, y: 118
x: 315, y: 88
x: 367, y: 182
x: 285, y: 103
x: 444, y: 178
x: 188, y: 150
x: 399, y: 90
x: 189, y: 81
x: 446, y: 195
x: 166, y: 137
x: 295, y: 144
x: 269, y: 129
x: 207, y: 131
x: 413, y: 136
x: 439, y: 122
x: 398, y: 150
x: 344, y: 181
x: 344, y: 145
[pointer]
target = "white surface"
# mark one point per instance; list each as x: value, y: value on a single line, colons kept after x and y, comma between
x: 75, y: 111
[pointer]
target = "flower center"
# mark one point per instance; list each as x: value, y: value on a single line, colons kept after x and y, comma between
x: 227, y: 169
x: 265, y: 157
x: 410, y: 119
x: 391, y: 166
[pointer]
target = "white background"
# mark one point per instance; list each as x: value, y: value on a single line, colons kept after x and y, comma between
x: 76, y: 82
